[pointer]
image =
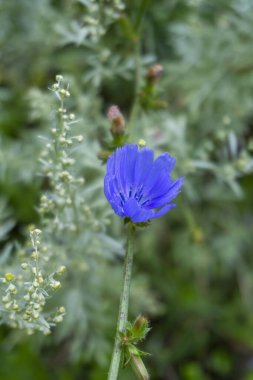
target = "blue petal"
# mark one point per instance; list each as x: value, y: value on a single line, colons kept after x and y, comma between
x: 125, y: 165
x: 165, y: 161
x: 139, y: 214
x: 164, y: 198
x: 163, y: 211
x: 143, y: 166
x: 134, y: 211
x: 110, y: 166
x: 112, y: 194
x: 163, y: 164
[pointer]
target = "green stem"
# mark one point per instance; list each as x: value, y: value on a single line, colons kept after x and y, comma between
x: 135, y: 106
x: 123, y: 308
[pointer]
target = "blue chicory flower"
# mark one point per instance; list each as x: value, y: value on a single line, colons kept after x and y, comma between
x: 139, y: 187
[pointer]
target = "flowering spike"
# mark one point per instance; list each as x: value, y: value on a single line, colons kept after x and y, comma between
x: 139, y: 187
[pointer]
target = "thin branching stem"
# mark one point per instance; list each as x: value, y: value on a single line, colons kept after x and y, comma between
x: 123, y: 308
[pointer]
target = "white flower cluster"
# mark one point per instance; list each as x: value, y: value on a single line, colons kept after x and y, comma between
x: 99, y: 16
x: 26, y: 292
x: 57, y: 161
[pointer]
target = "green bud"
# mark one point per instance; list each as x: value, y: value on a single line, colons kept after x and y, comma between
x: 8, y: 305
x: 140, y: 327
x: 55, y: 284
x: 139, y: 367
x: 58, y: 319
x: 27, y: 297
x: 15, y: 306
x: 142, y: 143
x: 5, y: 299
x: 12, y: 289
x: 61, y: 270
x: 9, y: 276
x: 24, y: 266
x: 36, y: 314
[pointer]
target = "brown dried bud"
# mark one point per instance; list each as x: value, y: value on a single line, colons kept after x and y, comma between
x: 154, y: 71
x: 117, y: 119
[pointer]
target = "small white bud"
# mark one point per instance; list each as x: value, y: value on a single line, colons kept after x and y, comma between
x: 59, y: 78
x: 142, y: 143
x: 55, y: 87
x: 5, y: 299
x: 27, y: 298
x: 35, y: 284
x: 55, y: 284
x: 12, y: 289
x: 15, y: 306
x: 36, y: 314
x: 61, y: 270
x: 79, y: 138
x: 24, y: 266
x: 58, y: 319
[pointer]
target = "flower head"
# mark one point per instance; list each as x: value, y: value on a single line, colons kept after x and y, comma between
x: 139, y: 187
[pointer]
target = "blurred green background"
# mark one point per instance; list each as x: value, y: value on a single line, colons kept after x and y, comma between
x: 194, y: 267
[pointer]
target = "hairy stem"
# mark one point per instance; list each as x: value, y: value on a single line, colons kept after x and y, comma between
x: 123, y: 308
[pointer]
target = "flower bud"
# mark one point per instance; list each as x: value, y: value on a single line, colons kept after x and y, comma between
x: 27, y: 297
x: 55, y: 87
x: 61, y: 270
x: 40, y: 280
x: 55, y: 284
x: 58, y: 319
x: 154, y: 72
x: 59, y: 78
x: 140, y: 327
x: 139, y: 367
x: 142, y: 143
x: 117, y: 119
x: 15, y: 305
x: 36, y: 314
x: 35, y: 255
x: 12, y: 289
x: 9, y: 277
x: 5, y: 299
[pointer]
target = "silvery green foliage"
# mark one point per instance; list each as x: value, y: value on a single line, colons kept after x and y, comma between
x: 74, y: 253
x: 204, y: 249
x: 66, y: 217
x: 93, y: 21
